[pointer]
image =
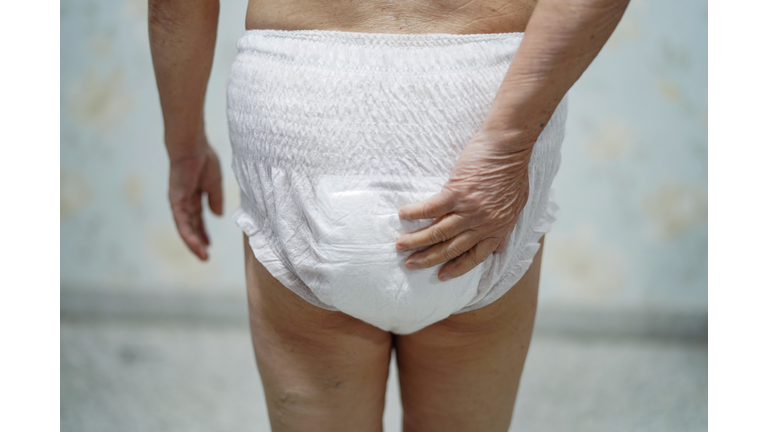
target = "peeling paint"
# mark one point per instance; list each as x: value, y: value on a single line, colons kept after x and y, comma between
x: 674, y: 209
x: 101, y: 46
x: 611, y: 140
x: 176, y: 261
x: 674, y: 56
x: 630, y: 27
x: 168, y: 244
x: 133, y: 190
x: 586, y: 267
x: 135, y: 9
x: 75, y: 193
x: 670, y: 90
x: 100, y: 101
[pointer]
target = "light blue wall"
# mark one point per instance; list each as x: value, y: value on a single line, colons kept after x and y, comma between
x: 633, y: 182
x: 117, y: 232
x: 632, y: 229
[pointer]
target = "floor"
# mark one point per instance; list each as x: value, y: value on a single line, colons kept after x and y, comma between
x: 176, y: 376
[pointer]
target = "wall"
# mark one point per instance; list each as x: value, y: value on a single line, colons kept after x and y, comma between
x: 632, y: 228
x: 633, y: 183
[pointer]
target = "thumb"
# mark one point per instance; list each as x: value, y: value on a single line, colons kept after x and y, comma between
x: 215, y: 198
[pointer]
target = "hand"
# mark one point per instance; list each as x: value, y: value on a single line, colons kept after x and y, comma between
x: 190, y: 177
x: 475, y: 211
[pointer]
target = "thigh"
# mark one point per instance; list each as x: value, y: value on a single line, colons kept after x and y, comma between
x: 321, y: 370
x: 462, y: 373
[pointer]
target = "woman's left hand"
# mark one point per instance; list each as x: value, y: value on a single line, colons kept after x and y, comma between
x: 190, y: 178
x: 475, y: 211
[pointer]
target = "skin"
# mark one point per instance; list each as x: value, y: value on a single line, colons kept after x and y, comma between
x: 487, y: 189
x: 325, y: 370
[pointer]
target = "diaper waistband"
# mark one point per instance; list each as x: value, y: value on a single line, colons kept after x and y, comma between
x: 384, y: 52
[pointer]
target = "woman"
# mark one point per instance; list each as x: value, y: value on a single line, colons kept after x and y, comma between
x: 395, y: 161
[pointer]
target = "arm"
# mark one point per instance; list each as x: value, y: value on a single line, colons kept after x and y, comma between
x: 561, y: 40
x: 182, y: 36
x: 477, y: 208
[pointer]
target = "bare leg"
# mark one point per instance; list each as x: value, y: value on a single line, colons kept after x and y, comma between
x: 321, y: 370
x: 462, y: 373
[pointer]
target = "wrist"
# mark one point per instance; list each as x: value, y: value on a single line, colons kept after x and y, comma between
x: 522, y: 108
x: 501, y: 145
x: 504, y: 141
x: 518, y: 126
x: 185, y: 146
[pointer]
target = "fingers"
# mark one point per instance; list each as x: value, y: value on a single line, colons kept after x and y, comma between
x: 442, y: 252
x: 439, y: 232
x: 469, y: 260
x: 216, y: 200
x: 190, y: 178
x: 187, y: 213
x: 200, y: 230
x: 212, y: 187
x: 435, y: 206
x: 191, y: 235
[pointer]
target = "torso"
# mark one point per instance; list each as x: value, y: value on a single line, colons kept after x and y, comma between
x: 391, y: 16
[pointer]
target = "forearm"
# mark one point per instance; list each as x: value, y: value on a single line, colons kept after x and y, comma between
x: 561, y: 40
x: 182, y: 35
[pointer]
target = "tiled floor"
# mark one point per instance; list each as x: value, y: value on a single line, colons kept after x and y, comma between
x: 122, y: 376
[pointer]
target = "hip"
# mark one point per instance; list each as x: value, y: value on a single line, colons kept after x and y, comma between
x: 354, y: 98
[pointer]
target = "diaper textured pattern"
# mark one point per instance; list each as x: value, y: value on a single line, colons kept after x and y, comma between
x: 332, y: 132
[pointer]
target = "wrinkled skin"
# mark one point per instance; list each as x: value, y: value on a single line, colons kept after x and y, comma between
x: 190, y: 177
x: 476, y: 209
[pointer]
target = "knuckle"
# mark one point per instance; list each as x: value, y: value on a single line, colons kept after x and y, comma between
x: 449, y: 191
x: 476, y: 257
x: 460, y: 264
x: 471, y: 262
x: 428, y: 209
x: 473, y: 201
x: 451, y: 251
x: 437, y: 235
x: 427, y: 262
x: 482, y: 257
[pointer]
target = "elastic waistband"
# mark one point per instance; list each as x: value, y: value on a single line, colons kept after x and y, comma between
x: 393, y: 52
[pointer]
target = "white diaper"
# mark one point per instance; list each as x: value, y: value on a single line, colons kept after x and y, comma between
x: 356, y: 244
x: 332, y: 132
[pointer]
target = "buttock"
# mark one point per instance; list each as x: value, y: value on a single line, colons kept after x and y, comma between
x: 332, y: 132
x: 356, y: 228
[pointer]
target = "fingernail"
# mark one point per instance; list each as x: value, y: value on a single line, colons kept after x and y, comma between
x: 401, y: 248
x: 445, y: 277
x: 411, y: 266
x: 400, y: 214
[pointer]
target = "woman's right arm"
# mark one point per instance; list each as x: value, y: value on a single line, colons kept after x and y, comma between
x: 182, y: 36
